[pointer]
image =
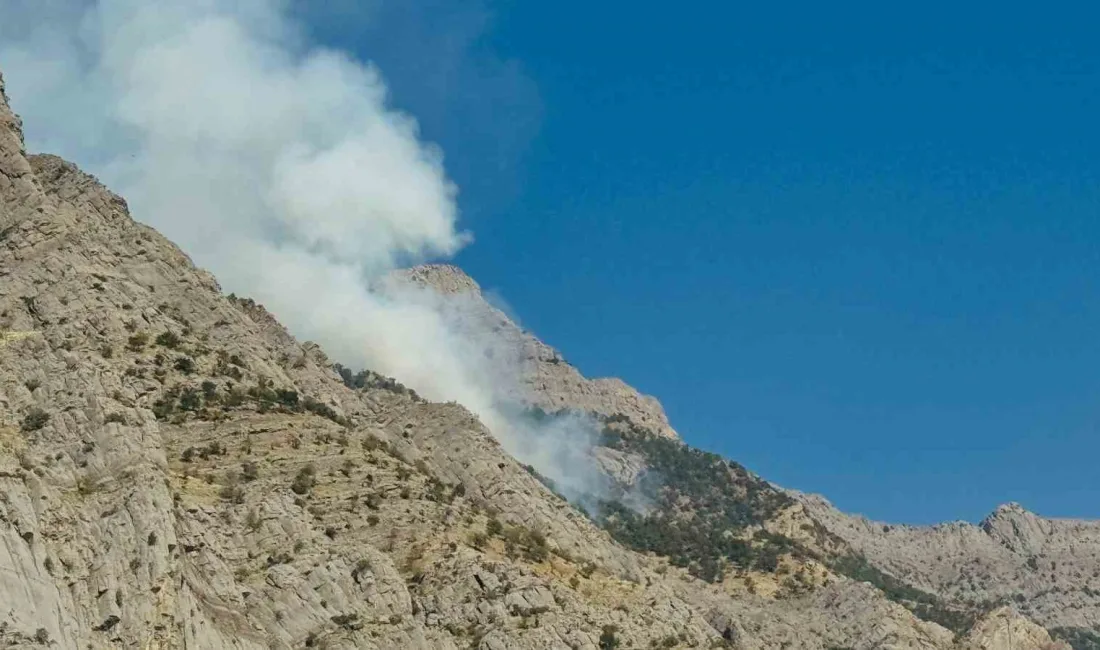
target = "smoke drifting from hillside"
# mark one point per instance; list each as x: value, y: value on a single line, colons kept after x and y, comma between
x: 278, y: 166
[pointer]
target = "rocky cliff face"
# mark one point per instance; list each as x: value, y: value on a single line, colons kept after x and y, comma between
x: 177, y: 471
x: 546, y: 379
x: 1049, y: 569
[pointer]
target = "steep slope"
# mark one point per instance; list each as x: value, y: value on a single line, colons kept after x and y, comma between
x: 179, y: 472
x: 950, y: 574
x: 693, y: 527
x: 176, y: 470
x: 546, y: 379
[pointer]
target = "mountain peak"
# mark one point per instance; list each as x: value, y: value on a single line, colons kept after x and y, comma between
x: 1010, y: 511
x: 444, y: 278
x: 1010, y: 508
x: 1017, y: 528
x: 548, y: 381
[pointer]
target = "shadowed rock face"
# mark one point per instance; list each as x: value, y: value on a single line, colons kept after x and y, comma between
x: 176, y: 470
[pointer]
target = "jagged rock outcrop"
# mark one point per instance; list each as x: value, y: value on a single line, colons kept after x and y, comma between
x: 546, y: 379
x: 1004, y: 629
x: 1049, y: 569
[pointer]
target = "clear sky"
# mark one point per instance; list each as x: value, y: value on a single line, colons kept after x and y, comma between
x: 856, y: 250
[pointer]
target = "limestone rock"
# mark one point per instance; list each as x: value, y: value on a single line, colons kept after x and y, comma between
x: 547, y: 380
x: 1004, y: 629
x: 1047, y: 567
x: 177, y: 471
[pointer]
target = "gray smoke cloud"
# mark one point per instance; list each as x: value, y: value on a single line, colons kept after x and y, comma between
x: 281, y: 167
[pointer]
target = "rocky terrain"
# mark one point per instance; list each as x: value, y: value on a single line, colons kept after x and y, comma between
x: 546, y: 379
x: 1049, y: 569
x: 177, y: 471
x: 1046, y: 569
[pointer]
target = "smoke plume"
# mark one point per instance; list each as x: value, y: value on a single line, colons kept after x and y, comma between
x: 279, y: 166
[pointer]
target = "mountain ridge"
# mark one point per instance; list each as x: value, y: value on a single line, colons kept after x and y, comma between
x: 178, y: 471
x: 548, y: 381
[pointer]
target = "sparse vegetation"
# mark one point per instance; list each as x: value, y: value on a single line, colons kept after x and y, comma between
x: 184, y: 364
x: 35, y: 419
x: 348, y: 621
x: 232, y: 491
x: 249, y: 471
x: 518, y: 540
x: 304, y: 480
x: 609, y: 639
x: 370, y: 379
x: 209, y: 390
x: 168, y: 339
x: 137, y: 342
x: 924, y: 605
x: 361, y: 567
x: 1078, y: 638
x: 252, y: 520
x: 697, y: 508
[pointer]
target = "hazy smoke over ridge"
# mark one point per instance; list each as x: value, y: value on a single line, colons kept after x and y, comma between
x: 279, y: 167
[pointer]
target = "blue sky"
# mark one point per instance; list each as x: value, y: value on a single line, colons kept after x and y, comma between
x: 857, y: 251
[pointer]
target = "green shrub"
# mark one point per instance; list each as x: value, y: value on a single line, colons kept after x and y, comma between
x: 35, y: 419
x: 304, y: 480
x: 608, y: 638
x: 168, y: 339
x: 1078, y: 638
x: 209, y: 389
x: 190, y: 400
x: 213, y: 449
x: 249, y: 470
x: 700, y: 499
x: 232, y: 491
x: 369, y: 379
x: 287, y: 398
x: 924, y: 605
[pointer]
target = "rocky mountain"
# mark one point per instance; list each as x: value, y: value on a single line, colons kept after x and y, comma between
x: 546, y: 380
x: 1049, y: 569
x: 177, y: 471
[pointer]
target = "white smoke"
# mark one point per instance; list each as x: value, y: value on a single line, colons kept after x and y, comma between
x: 279, y: 166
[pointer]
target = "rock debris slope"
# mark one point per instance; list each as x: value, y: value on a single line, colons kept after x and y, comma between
x: 177, y: 471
